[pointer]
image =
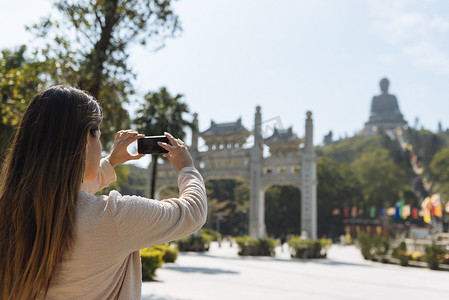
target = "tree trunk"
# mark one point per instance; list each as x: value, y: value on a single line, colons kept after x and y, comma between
x: 153, y: 176
x: 99, y: 53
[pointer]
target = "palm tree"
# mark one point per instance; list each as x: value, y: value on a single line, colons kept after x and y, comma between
x: 161, y: 113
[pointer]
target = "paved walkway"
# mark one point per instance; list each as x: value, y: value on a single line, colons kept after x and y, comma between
x: 222, y: 274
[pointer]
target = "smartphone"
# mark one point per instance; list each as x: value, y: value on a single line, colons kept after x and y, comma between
x: 149, y: 144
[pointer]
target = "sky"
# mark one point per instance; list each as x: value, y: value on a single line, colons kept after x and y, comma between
x: 290, y: 56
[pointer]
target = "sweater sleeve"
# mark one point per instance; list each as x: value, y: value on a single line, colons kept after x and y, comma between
x: 142, y: 222
x: 105, y: 176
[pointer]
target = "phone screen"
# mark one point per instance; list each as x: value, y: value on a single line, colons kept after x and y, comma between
x: 148, y: 144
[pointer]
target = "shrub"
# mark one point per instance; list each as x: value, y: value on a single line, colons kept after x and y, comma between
x: 445, y: 259
x: 400, y: 252
x: 381, y: 247
x: 255, y: 247
x: 434, y: 255
x: 308, y: 248
x: 197, y: 243
x: 365, y: 244
x: 267, y: 246
x: 247, y: 245
x: 151, y: 260
x: 170, y: 252
x: 216, y: 236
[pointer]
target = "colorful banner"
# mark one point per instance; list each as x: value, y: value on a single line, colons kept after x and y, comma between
x: 414, y: 213
x: 406, y: 211
x: 436, y: 204
x: 354, y: 212
x: 426, y: 209
x: 397, y: 213
x: 372, y: 212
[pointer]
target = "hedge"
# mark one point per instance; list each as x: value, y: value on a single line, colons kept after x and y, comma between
x: 249, y: 246
x: 308, y: 248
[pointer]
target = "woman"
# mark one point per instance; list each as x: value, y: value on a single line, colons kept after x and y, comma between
x: 59, y: 241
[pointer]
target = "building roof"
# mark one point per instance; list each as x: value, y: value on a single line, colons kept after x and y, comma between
x: 224, y: 128
x: 282, y: 136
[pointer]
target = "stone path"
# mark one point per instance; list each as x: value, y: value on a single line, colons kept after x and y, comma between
x: 222, y: 274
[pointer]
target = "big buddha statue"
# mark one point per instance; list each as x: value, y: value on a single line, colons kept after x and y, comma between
x: 385, y: 113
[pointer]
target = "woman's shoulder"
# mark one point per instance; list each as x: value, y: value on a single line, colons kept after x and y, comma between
x: 94, y: 203
x: 93, y: 209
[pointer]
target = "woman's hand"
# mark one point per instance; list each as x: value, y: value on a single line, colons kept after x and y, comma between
x: 178, y: 154
x: 119, y: 153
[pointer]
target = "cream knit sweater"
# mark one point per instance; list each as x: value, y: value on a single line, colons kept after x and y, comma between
x: 104, y: 262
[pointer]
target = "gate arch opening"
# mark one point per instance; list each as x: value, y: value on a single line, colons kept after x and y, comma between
x: 282, y: 211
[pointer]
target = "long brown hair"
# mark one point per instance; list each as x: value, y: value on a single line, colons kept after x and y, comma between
x: 39, y: 186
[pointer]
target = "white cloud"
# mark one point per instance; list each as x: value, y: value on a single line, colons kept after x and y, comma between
x: 417, y: 33
x: 428, y: 56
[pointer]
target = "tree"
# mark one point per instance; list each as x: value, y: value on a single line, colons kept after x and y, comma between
x: 425, y: 144
x: 349, y: 149
x: 283, y: 210
x: 229, y: 202
x: 338, y: 187
x: 20, y: 80
x: 440, y: 170
x: 88, y: 48
x: 380, y: 178
x: 161, y: 113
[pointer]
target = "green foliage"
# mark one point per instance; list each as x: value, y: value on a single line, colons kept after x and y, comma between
x: 136, y: 183
x: 400, y: 252
x: 20, y: 80
x: 162, y: 112
x: 382, y: 247
x: 87, y: 46
x: 282, y: 210
x: 308, y: 248
x: 338, y: 187
x: 151, y: 261
x: 154, y: 257
x: 229, y: 201
x: 159, y: 113
x: 361, y: 171
x: 122, y: 172
x: 426, y: 144
x: 375, y: 248
x: 365, y: 244
x: 195, y: 242
x: 249, y: 246
x: 379, y: 248
x: 349, y: 149
x: 170, y: 252
x: 214, y: 234
x: 434, y: 255
x: 439, y: 167
x: 380, y: 178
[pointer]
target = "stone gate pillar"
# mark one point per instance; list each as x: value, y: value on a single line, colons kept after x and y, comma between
x: 257, y: 206
x: 309, y: 183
